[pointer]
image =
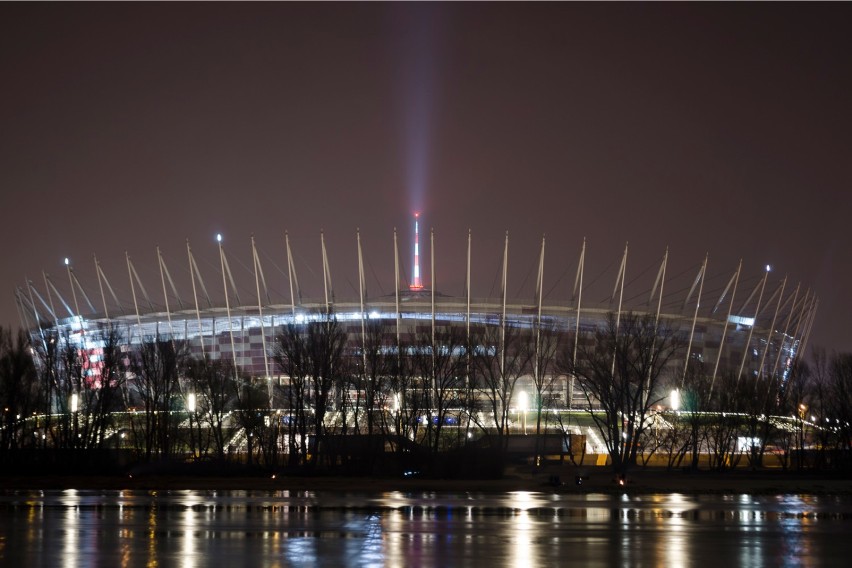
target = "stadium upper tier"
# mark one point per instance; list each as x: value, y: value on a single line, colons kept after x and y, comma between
x: 726, y: 319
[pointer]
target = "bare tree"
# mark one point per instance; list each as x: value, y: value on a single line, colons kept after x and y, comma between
x: 497, y: 366
x: 408, y: 392
x: 831, y: 404
x: 325, y: 344
x: 375, y: 374
x: 727, y: 423
x: 688, y: 424
x: 620, y: 368
x: 212, y: 383
x: 19, y: 393
x: 155, y: 365
x: 312, y: 357
x: 440, y: 364
x: 290, y: 354
x: 104, y: 390
x: 50, y: 377
x: 543, y: 345
x: 252, y: 414
x: 841, y: 410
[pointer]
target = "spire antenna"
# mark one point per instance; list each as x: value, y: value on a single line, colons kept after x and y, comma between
x: 417, y: 283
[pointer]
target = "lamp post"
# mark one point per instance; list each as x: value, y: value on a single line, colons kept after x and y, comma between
x: 190, y: 408
x: 75, y: 406
x: 803, y: 409
x: 397, y: 404
x: 523, y: 406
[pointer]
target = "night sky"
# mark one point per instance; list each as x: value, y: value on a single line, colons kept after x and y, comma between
x: 707, y: 128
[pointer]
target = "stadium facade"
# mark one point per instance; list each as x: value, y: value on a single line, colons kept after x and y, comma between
x: 749, y: 323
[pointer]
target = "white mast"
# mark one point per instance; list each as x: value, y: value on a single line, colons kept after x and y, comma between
x: 133, y: 291
x: 754, y: 323
x: 75, y: 285
x: 432, y: 276
x: 50, y: 299
x: 811, y: 318
x: 103, y: 277
x: 49, y: 303
x: 540, y: 293
x: 786, y: 329
x: 165, y: 296
x: 77, y: 314
x: 701, y: 274
x: 20, y: 306
x: 326, y: 275
x: 578, y: 294
x: 396, y: 288
x: 258, y: 272
x: 661, y: 282
x: 227, y: 305
x: 619, y: 283
x: 772, y: 327
x: 361, y: 286
x: 735, y: 281
x: 467, y: 317
x: 30, y: 290
x: 291, y: 274
x: 101, y: 287
x: 503, y: 317
x: 195, y: 295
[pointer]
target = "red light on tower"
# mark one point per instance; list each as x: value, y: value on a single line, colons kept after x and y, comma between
x: 416, y: 284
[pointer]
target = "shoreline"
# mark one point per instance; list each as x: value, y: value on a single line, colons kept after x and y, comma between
x: 563, y: 481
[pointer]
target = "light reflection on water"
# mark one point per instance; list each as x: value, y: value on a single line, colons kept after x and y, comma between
x: 301, y: 528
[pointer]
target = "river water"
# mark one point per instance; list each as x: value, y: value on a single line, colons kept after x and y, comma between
x: 194, y: 528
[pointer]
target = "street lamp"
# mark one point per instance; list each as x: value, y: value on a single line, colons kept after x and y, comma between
x: 803, y: 412
x: 75, y: 405
x: 523, y: 405
x: 190, y: 408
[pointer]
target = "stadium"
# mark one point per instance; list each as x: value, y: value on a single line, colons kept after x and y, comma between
x: 415, y: 365
x: 754, y: 326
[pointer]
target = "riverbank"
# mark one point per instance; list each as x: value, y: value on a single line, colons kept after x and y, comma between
x: 553, y: 479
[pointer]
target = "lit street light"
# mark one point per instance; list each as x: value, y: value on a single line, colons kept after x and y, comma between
x: 523, y: 406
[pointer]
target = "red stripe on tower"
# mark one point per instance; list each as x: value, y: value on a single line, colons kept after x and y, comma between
x: 416, y: 284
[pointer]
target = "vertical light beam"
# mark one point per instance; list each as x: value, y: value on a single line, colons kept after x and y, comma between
x: 417, y: 283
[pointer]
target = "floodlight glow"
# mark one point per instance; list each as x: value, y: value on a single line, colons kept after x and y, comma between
x: 674, y: 399
x: 66, y: 261
x: 219, y: 237
x: 523, y: 401
x: 768, y: 268
x: 190, y: 402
